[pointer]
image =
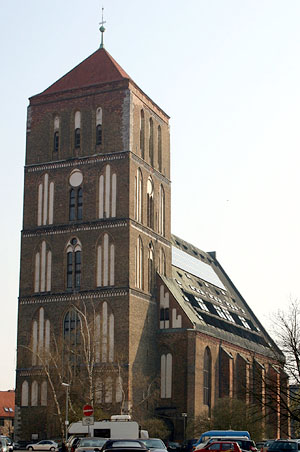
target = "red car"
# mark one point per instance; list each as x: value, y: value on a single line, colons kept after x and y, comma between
x: 229, y: 446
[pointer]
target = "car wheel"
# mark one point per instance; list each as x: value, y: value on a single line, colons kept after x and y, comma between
x: 52, y: 448
x: 30, y: 448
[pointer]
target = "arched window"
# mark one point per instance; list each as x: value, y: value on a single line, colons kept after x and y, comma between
x: 166, y: 376
x: 56, y: 135
x: 24, y: 393
x: 77, y: 129
x: 99, y: 126
x: 34, y: 393
x: 150, y: 268
x: 150, y: 204
x: 161, y: 212
x: 73, y: 264
x: 139, y: 259
x: 75, y: 195
x: 107, y: 193
x: 43, y: 265
x: 45, y: 201
x: 151, y: 142
x: 159, y: 148
x: 207, y: 377
x: 138, y: 196
x: 105, y: 262
x: 142, y: 134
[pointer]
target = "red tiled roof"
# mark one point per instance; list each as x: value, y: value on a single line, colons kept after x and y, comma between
x: 7, y: 403
x: 100, y: 67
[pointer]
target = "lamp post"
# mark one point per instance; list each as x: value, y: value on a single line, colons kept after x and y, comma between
x: 184, y: 416
x: 67, y: 408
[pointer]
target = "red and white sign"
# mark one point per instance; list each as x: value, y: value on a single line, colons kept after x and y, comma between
x: 88, y: 410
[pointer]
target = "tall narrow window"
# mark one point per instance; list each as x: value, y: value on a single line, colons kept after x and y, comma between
x: 24, y: 393
x: 138, y: 196
x: 56, y: 135
x: 104, y: 334
x: 159, y: 148
x: 45, y: 201
x: 77, y: 129
x: 34, y: 393
x: 107, y: 193
x: 44, y: 393
x: 161, y: 211
x: 72, y: 337
x: 166, y: 376
x: 142, y: 134
x: 40, y: 338
x: 75, y: 196
x: 207, y: 377
x: 99, y: 126
x: 162, y: 262
x: 105, y: 262
x: 150, y: 268
x: 150, y: 204
x: 73, y: 264
x: 151, y: 142
x: 139, y: 262
x: 43, y: 263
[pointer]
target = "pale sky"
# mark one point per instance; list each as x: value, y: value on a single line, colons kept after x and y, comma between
x: 228, y: 74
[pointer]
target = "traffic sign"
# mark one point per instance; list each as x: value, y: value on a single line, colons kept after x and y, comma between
x: 88, y: 410
x: 88, y: 420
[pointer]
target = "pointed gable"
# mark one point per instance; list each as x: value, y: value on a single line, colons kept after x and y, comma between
x: 98, y: 68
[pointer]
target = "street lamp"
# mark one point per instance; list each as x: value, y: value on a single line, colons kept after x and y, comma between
x: 184, y: 415
x: 67, y: 408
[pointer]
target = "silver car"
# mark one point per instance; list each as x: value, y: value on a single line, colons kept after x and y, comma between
x: 45, y: 444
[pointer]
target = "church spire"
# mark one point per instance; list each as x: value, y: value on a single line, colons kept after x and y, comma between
x: 102, y: 30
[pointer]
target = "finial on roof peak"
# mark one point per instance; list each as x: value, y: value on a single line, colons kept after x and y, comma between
x: 102, y: 29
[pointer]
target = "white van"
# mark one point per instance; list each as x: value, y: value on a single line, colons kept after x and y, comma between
x: 119, y: 426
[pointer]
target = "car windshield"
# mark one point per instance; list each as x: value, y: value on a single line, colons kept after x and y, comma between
x: 154, y: 443
x: 284, y: 445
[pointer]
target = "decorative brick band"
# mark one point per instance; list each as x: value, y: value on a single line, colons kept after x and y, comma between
x: 67, y: 298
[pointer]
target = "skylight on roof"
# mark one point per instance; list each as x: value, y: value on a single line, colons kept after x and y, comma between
x: 195, y: 267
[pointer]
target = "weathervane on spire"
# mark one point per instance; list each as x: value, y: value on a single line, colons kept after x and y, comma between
x: 102, y: 30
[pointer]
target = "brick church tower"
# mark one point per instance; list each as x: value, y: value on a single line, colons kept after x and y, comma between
x: 96, y: 229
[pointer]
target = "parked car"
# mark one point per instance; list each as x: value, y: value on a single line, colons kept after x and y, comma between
x: 231, y: 446
x: 155, y: 444
x: 45, y: 444
x: 91, y: 443
x: 281, y: 445
x: 244, y: 443
x: 124, y: 445
x: 3, y: 444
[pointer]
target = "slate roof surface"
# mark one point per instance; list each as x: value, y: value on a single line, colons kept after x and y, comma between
x: 98, y: 68
x: 209, y: 298
x: 7, y: 404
